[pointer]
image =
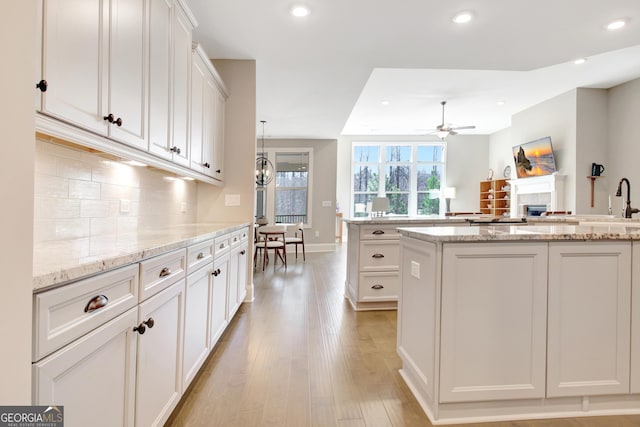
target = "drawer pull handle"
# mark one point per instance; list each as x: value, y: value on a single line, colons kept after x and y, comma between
x: 165, y: 272
x: 378, y: 232
x: 201, y: 255
x: 242, y: 252
x: 222, y: 246
x: 377, y: 287
x: 96, y: 303
x: 377, y: 256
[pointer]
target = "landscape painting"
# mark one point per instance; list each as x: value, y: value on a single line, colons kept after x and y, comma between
x: 534, y: 158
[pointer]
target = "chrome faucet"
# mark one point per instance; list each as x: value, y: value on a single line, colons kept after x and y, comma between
x: 628, y: 210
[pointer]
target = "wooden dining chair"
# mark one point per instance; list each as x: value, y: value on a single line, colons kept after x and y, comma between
x: 273, y: 238
x: 297, y: 239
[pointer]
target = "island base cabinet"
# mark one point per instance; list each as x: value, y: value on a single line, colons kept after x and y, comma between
x: 635, y: 320
x: 493, y: 330
x: 589, y: 318
x: 159, y: 380
x: 93, y: 377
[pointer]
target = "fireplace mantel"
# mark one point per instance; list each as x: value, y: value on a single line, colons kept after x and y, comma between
x: 550, y: 186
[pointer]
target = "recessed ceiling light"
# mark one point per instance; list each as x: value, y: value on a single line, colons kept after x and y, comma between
x: 616, y: 25
x: 463, y: 17
x: 300, y: 11
x: 500, y: 103
x: 385, y: 102
x: 580, y: 61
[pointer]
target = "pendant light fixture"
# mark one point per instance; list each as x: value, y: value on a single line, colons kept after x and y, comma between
x: 264, y: 167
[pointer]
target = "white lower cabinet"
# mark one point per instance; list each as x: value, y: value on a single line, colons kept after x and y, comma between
x: 159, y: 363
x: 237, y: 272
x: 589, y: 318
x: 93, y: 377
x: 493, y: 328
x: 218, y: 318
x: 196, y: 317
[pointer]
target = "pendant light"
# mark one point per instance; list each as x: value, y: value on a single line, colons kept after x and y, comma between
x: 264, y: 167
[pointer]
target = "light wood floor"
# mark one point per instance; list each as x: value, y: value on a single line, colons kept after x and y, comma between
x: 300, y: 356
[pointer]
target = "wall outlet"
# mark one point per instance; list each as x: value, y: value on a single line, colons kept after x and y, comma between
x: 232, y: 200
x: 125, y: 206
x: 326, y: 203
x: 415, y: 269
x: 183, y: 207
x: 317, y: 234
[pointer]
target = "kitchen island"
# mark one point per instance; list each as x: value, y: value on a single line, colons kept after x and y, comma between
x: 518, y: 322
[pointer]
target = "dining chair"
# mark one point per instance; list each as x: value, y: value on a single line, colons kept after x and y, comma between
x: 273, y: 238
x: 297, y: 239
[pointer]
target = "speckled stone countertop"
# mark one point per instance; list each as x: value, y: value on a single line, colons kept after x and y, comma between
x: 488, y: 233
x: 58, y: 262
x: 430, y: 219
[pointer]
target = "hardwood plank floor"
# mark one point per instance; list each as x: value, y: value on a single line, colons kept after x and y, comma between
x: 300, y: 356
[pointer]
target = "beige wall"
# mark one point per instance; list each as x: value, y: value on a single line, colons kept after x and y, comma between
x: 17, y: 131
x: 323, y: 186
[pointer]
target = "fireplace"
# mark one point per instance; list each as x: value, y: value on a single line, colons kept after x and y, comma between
x: 547, y: 191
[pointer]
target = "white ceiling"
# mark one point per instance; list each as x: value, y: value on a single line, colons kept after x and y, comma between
x: 326, y: 74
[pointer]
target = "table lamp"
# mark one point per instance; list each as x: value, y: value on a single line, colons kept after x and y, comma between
x: 449, y: 193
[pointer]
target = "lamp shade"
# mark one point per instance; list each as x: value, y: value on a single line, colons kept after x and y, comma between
x: 449, y: 192
x: 379, y: 204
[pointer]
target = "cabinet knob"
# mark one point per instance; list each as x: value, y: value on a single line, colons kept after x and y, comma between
x: 118, y: 122
x: 242, y: 252
x: 96, y: 302
x: 175, y: 149
x: 218, y: 171
x: 201, y: 255
x: 165, y: 272
x: 149, y: 322
x: 216, y: 272
x: 377, y: 287
x: 110, y: 118
x: 206, y: 165
x: 141, y: 328
x: 378, y: 232
x: 377, y: 256
x: 42, y: 85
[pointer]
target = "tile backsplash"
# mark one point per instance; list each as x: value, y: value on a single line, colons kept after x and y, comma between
x: 81, y: 194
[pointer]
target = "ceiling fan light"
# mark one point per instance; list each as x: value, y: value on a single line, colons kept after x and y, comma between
x: 442, y: 134
x: 300, y: 11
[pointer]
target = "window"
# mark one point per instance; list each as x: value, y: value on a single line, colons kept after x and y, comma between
x: 287, y: 199
x: 409, y: 174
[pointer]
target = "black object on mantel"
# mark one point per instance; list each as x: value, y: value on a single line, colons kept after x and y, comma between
x: 628, y: 210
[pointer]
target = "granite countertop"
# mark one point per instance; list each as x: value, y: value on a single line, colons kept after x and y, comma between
x: 488, y: 233
x: 429, y: 219
x: 58, y: 262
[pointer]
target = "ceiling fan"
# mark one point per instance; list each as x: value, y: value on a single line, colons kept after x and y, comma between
x: 445, y: 129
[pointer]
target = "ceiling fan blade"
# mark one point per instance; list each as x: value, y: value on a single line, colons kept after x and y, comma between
x: 452, y: 132
x: 463, y: 127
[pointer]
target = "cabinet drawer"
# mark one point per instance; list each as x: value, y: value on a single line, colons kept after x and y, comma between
x: 64, y: 314
x: 379, y: 255
x: 379, y: 286
x: 222, y: 245
x: 199, y: 255
x: 379, y: 232
x: 239, y: 237
x: 160, y: 272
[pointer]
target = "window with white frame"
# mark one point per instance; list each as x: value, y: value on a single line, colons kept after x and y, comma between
x: 287, y: 199
x: 409, y: 174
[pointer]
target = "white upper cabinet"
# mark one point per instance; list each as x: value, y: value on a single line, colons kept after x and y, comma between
x: 160, y: 22
x: 208, y: 99
x: 96, y: 72
x: 181, y: 80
